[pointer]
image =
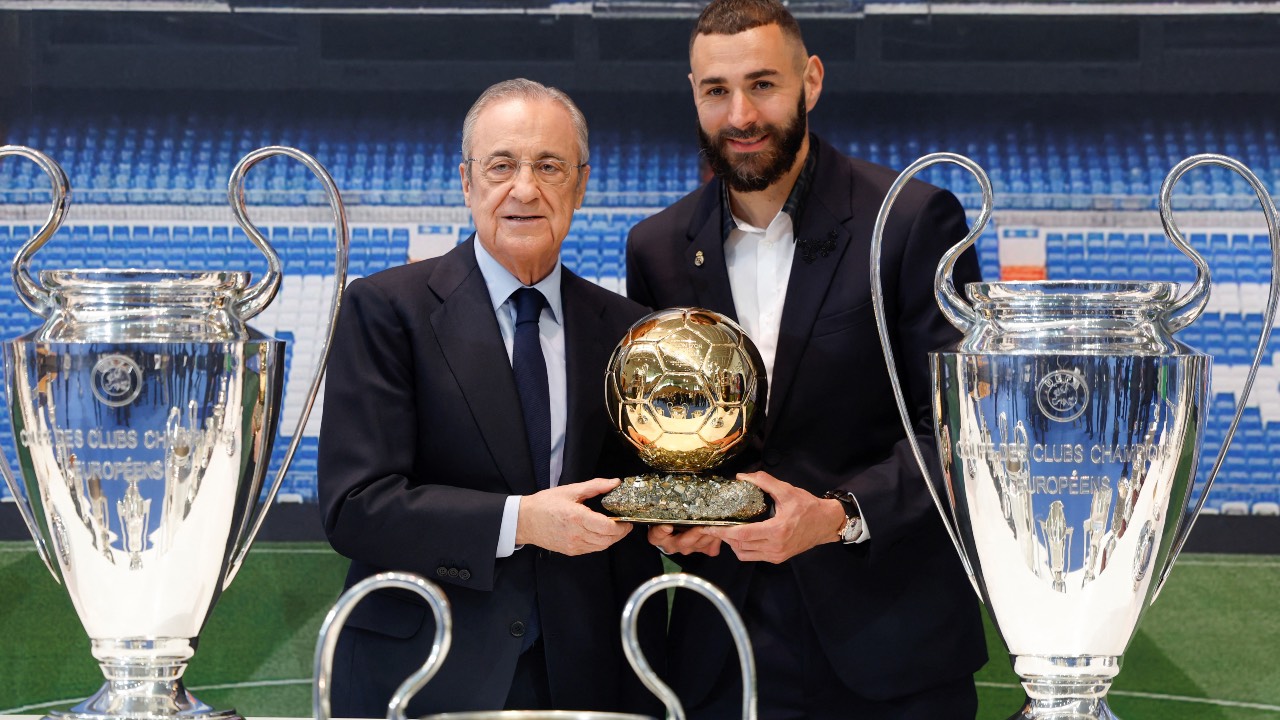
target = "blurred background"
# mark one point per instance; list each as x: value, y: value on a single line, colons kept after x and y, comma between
x: 1077, y: 110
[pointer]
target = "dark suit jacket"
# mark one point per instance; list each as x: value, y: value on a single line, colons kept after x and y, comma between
x: 421, y: 443
x: 896, y: 614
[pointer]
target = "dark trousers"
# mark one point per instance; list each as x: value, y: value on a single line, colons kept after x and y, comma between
x: 530, y: 689
x: 795, y: 680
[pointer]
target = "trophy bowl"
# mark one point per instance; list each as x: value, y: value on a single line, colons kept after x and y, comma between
x: 681, y: 389
x: 144, y: 411
x: 1069, y: 422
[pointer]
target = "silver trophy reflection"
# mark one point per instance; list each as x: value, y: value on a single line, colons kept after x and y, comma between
x: 1069, y: 423
x: 144, y: 412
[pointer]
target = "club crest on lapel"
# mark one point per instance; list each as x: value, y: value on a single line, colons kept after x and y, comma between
x: 813, y: 248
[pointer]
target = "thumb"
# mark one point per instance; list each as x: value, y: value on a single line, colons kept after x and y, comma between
x: 764, y: 481
x: 593, y: 487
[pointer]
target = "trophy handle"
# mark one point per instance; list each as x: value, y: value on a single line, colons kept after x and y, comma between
x: 1186, y: 309
x: 259, y: 295
x: 337, y: 617
x: 37, y: 299
x: 631, y: 640
x: 952, y: 305
x: 1198, y: 296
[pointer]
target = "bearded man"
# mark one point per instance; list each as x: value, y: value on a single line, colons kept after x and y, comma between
x: 856, y: 602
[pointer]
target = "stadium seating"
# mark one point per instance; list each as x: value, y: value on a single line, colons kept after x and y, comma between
x: 140, y: 157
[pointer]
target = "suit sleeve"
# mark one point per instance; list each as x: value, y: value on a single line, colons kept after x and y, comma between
x: 377, y: 506
x: 892, y: 495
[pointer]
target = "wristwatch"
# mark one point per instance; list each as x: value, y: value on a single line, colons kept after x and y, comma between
x: 852, y: 527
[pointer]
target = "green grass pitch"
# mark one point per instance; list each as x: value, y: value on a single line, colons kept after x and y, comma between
x: 1208, y: 650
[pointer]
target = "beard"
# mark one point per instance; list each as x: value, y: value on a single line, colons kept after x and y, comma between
x: 753, y: 172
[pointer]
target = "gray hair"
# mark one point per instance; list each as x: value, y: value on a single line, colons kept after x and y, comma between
x: 522, y: 89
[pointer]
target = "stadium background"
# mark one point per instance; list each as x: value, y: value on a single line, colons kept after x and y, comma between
x: 1077, y: 110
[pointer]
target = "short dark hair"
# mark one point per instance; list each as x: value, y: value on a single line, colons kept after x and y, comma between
x: 730, y: 17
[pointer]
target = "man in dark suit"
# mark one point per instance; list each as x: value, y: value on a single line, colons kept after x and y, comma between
x: 858, y: 605
x: 463, y: 420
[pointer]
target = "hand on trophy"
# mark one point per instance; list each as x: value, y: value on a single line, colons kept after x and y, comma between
x: 801, y: 520
x: 687, y: 541
x: 555, y: 519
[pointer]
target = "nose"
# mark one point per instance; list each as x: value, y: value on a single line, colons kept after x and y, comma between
x: 524, y: 186
x: 742, y: 111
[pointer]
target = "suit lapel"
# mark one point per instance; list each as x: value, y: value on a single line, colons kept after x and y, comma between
x: 587, y: 346
x: 467, y: 331
x: 709, y: 276
x: 822, y: 226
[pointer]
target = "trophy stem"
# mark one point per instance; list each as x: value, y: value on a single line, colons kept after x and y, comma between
x: 123, y: 698
x: 1057, y: 696
x: 143, y: 680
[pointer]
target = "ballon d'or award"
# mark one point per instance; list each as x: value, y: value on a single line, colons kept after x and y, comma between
x: 144, y: 412
x: 1069, y: 422
x: 681, y: 388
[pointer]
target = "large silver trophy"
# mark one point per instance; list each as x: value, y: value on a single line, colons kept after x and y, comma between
x: 144, y: 412
x: 333, y: 622
x: 1069, y: 423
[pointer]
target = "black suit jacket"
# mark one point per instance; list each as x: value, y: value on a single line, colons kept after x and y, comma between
x: 422, y: 441
x: 896, y: 614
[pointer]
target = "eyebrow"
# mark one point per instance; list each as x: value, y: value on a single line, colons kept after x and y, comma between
x: 508, y: 154
x: 754, y: 75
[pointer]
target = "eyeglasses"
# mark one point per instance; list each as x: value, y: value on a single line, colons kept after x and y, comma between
x: 498, y: 169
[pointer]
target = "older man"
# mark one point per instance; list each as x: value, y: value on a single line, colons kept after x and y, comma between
x: 462, y: 427
x: 855, y: 599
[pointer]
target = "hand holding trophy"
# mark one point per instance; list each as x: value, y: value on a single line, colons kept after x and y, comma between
x: 144, y: 411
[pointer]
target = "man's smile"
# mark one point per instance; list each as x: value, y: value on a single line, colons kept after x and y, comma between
x: 748, y: 145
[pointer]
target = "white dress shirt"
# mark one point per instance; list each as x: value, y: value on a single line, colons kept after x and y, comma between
x: 501, y: 283
x: 759, y: 263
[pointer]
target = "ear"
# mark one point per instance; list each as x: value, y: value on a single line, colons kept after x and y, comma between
x: 693, y: 85
x: 584, y: 173
x: 813, y: 74
x: 466, y: 184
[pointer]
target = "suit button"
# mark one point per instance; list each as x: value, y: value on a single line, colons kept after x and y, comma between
x: 773, y: 456
x: 517, y: 629
x: 464, y: 575
x: 453, y: 572
x: 442, y: 571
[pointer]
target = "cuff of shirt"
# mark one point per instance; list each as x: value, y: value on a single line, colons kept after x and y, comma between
x: 507, y: 535
x: 864, y: 533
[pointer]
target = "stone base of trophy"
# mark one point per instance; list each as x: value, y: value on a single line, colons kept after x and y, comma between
x: 685, y: 499
x: 143, y: 696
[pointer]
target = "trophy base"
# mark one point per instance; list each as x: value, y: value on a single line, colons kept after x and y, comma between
x: 685, y: 499
x: 1070, y: 697
x: 143, y: 700
x: 1073, y: 709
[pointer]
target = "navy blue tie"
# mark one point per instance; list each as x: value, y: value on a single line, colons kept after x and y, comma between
x: 530, y: 368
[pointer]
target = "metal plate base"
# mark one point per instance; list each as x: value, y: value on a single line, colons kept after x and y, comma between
x: 664, y: 521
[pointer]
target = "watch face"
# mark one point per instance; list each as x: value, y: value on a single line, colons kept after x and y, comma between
x: 849, y: 532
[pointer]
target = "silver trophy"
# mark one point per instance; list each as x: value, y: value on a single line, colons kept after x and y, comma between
x: 439, y: 604
x: 1069, y: 423
x: 144, y: 412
